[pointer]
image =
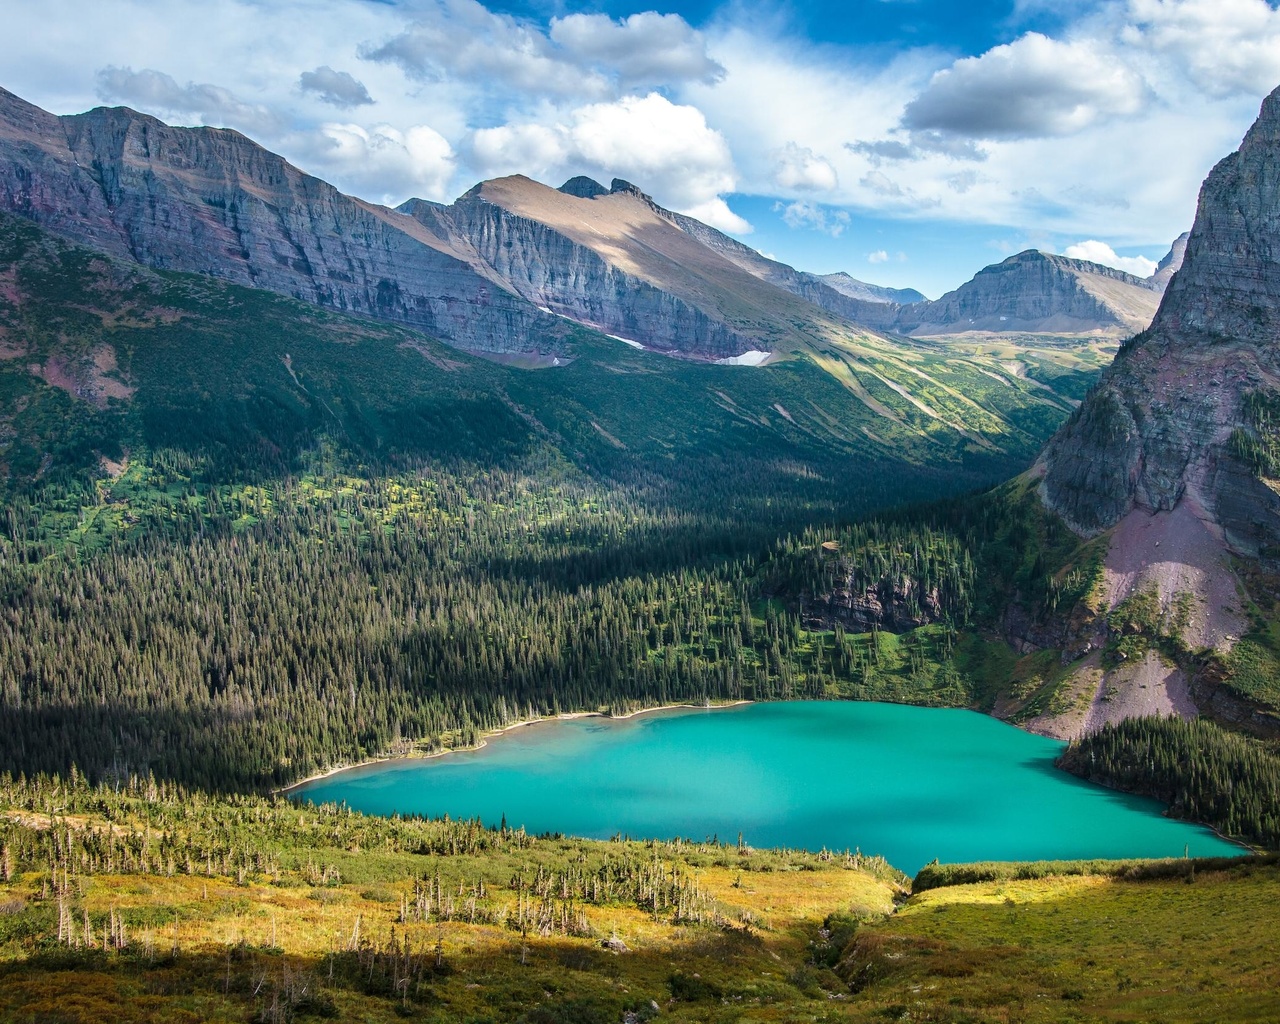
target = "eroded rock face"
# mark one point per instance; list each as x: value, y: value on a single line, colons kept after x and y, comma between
x: 897, y: 605
x: 551, y: 270
x: 1171, y: 263
x: 1041, y: 293
x: 1157, y: 428
x: 1229, y: 284
x: 214, y: 202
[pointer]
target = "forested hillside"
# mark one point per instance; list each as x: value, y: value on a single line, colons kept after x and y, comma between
x: 1196, y: 767
x: 244, y: 539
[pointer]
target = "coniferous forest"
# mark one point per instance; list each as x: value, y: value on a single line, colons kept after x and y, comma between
x: 243, y: 540
x: 1202, y: 771
x: 399, y: 489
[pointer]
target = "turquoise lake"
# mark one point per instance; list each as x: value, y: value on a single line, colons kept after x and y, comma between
x: 909, y: 783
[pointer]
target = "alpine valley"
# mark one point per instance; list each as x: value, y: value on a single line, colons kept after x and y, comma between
x: 292, y: 481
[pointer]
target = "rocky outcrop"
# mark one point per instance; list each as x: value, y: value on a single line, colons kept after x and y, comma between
x: 583, y: 187
x: 1171, y: 263
x: 1040, y: 293
x: 1157, y: 428
x: 214, y: 202
x: 898, y: 605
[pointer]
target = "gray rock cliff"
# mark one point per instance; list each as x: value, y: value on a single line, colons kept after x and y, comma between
x: 1171, y: 263
x: 1037, y: 292
x: 1165, y: 423
x: 553, y: 271
x: 214, y: 202
x: 488, y: 272
x: 617, y: 261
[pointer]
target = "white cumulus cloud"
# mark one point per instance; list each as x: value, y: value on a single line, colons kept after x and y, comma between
x: 656, y: 141
x: 1226, y: 46
x: 580, y: 55
x: 716, y: 212
x: 667, y: 149
x: 814, y: 217
x: 532, y: 149
x: 644, y: 49
x: 1099, y: 252
x: 800, y: 169
x: 1032, y: 87
x: 385, y: 163
x: 337, y: 88
x: 463, y: 39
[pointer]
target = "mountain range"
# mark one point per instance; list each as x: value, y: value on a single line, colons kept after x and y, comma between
x: 1172, y: 451
x: 500, y: 269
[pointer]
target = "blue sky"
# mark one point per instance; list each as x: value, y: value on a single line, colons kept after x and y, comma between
x: 959, y: 28
x: 908, y: 142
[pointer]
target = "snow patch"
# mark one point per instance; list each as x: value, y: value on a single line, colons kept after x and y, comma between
x: 752, y: 358
x: 626, y: 341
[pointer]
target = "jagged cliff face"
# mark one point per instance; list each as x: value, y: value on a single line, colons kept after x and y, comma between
x: 614, y: 260
x: 487, y: 273
x: 1157, y: 429
x: 1168, y: 459
x: 1171, y: 263
x: 213, y: 202
x: 1037, y: 292
x: 579, y: 256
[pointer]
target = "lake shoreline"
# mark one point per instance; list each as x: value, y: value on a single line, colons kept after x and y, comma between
x: 683, y: 774
x: 564, y: 716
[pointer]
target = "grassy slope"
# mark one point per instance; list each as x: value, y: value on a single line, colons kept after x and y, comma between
x: 1082, y: 949
x: 268, y: 930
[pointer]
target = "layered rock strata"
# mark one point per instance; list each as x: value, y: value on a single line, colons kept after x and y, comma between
x: 1158, y: 426
x: 1038, y: 292
x: 214, y: 202
x: 615, y: 260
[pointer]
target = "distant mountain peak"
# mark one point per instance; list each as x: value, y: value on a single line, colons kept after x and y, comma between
x: 1171, y: 263
x: 1038, y: 293
x: 847, y: 284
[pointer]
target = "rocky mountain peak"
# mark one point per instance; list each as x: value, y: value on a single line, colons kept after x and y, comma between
x: 1229, y: 285
x: 1170, y: 424
x: 1171, y: 263
x: 211, y: 201
x: 625, y: 187
x: 583, y: 187
x: 1037, y: 292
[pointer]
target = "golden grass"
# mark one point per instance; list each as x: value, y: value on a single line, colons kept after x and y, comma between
x: 799, y: 937
x: 1082, y: 948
